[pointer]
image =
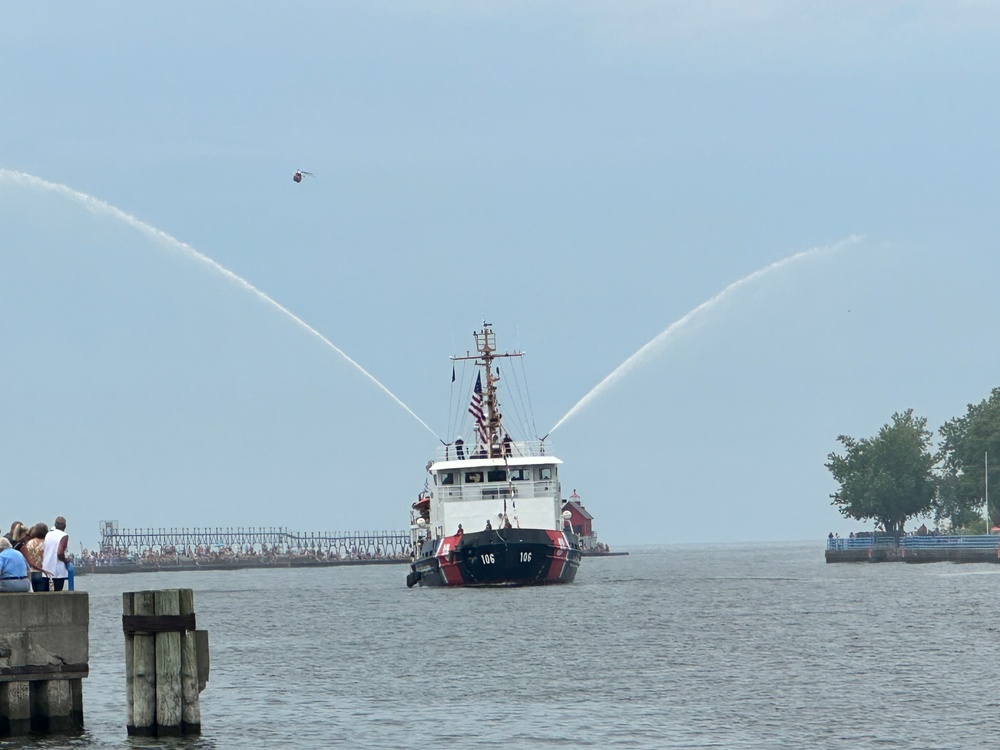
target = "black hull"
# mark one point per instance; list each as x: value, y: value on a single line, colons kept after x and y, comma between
x: 497, y: 557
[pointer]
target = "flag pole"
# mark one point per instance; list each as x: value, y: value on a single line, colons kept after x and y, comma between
x: 986, y: 466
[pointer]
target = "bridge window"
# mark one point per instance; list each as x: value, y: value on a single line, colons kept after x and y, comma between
x: 472, y: 477
x: 447, y: 477
x: 545, y: 473
x: 520, y: 475
x: 496, y: 475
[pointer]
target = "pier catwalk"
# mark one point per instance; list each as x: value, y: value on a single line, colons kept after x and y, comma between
x: 220, y: 548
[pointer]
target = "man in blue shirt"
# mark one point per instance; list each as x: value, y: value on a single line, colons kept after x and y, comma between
x: 13, y: 569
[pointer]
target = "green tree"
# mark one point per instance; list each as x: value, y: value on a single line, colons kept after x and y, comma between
x: 965, y: 443
x: 889, y: 477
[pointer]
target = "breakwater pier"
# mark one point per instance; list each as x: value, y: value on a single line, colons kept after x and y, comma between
x: 984, y: 548
x: 232, y: 548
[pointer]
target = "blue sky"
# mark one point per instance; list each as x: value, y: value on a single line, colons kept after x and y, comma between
x: 581, y: 174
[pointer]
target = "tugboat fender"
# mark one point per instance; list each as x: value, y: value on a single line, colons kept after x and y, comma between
x: 412, y: 578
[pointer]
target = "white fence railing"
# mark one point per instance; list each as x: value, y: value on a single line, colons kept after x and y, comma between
x: 519, y: 490
x: 513, y: 449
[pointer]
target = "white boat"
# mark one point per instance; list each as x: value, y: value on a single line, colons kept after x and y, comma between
x: 490, y: 513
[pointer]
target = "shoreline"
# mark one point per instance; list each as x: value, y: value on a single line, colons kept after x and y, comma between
x: 169, y: 567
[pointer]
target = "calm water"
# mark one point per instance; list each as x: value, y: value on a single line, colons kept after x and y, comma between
x: 694, y: 647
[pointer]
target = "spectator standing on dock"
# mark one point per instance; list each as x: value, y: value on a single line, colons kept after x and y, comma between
x: 33, y: 551
x: 21, y: 536
x: 13, y: 568
x: 54, y: 559
x: 12, y: 535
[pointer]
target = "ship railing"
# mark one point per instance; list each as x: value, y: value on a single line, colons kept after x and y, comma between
x: 489, y: 491
x: 513, y: 449
x: 936, y: 541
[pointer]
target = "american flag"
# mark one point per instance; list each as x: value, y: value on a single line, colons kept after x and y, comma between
x: 476, y: 409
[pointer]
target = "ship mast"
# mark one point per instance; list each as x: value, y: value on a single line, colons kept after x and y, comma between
x: 486, y: 348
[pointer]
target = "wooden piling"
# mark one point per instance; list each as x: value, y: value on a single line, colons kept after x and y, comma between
x: 143, y: 671
x: 191, y: 710
x: 127, y: 611
x: 161, y: 661
x: 168, y: 668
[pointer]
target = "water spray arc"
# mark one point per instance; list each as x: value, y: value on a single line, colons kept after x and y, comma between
x: 663, y: 338
x: 99, y: 206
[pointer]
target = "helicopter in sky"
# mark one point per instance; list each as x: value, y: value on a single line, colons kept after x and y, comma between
x: 298, y: 175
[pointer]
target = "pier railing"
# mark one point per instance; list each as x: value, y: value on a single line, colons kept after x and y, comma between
x: 276, y: 540
x: 937, y: 542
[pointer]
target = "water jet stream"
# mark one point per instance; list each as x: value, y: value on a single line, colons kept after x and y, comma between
x: 99, y: 206
x: 625, y: 367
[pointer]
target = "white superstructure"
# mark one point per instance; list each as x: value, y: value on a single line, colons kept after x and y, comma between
x: 522, y: 487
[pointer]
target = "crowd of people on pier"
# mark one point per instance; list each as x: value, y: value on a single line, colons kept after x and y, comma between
x: 204, y: 554
x: 921, y: 530
x: 35, y: 558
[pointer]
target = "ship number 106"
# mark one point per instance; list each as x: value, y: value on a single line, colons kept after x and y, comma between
x: 489, y: 559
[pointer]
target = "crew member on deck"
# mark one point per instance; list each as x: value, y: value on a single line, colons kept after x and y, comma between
x: 460, y: 530
x: 459, y: 449
x: 489, y: 526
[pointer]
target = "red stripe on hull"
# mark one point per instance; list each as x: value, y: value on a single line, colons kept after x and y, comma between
x: 446, y: 564
x: 560, y: 554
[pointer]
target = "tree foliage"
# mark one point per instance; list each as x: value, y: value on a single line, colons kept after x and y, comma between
x: 966, y: 442
x: 888, y: 478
